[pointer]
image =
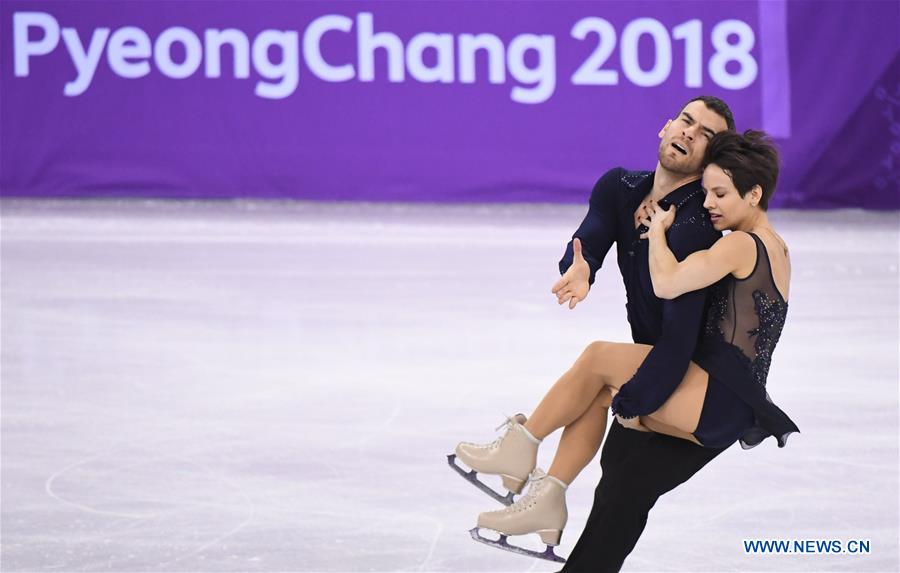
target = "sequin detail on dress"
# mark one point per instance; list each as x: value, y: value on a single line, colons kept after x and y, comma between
x: 772, y: 314
x: 753, y: 330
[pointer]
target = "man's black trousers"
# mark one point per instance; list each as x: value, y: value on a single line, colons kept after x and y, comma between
x: 638, y: 467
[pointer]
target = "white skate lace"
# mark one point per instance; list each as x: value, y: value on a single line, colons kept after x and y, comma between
x: 507, y: 426
x: 535, y: 481
x: 510, y: 422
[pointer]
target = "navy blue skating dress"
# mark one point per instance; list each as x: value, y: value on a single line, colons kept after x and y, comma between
x: 744, y: 320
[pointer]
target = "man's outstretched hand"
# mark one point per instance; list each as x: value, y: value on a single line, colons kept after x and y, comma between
x: 573, y: 285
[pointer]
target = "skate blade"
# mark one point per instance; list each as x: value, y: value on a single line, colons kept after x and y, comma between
x: 471, y: 477
x: 548, y: 553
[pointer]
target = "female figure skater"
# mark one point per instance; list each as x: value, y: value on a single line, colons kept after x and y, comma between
x: 722, y: 397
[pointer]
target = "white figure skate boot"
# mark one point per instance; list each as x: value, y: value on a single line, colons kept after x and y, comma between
x: 512, y: 457
x: 541, y: 510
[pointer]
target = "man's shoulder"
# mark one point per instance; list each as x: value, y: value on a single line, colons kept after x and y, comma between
x: 619, y: 180
x: 629, y: 178
x: 633, y: 179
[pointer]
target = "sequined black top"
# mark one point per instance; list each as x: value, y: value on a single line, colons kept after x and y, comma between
x: 743, y: 324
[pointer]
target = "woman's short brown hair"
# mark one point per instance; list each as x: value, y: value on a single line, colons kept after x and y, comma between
x: 749, y: 159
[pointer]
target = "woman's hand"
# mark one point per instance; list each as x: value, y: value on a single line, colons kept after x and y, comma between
x: 633, y: 423
x: 659, y: 219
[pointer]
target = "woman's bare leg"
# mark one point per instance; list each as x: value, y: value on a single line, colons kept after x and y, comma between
x: 581, y: 440
x: 575, y: 391
x: 661, y: 428
x: 579, y: 401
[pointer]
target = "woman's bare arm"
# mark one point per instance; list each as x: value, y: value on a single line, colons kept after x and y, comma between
x: 672, y: 279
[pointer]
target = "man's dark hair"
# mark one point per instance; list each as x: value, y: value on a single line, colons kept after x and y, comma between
x: 748, y: 159
x: 720, y: 107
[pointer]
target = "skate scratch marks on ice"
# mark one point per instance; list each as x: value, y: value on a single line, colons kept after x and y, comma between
x: 48, y: 487
x: 248, y: 503
x: 364, y: 441
x: 431, y: 548
x: 250, y: 515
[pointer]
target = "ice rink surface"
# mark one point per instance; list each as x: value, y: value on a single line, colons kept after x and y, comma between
x: 229, y: 386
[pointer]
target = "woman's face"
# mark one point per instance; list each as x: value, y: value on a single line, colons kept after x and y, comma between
x: 727, y: 209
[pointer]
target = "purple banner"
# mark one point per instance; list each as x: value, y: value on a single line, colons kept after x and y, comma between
x: 434, y: 101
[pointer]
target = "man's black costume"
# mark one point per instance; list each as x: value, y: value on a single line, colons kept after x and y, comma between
x: 638, y: 467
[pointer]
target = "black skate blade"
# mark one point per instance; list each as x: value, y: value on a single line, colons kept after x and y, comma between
x: 471, y: 476
x: 503, y: 544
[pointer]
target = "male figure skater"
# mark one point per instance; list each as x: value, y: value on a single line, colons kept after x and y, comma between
x: 640, y: 466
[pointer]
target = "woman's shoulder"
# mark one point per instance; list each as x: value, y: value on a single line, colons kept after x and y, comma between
x: 740, y: 248
x: 738, y: 242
